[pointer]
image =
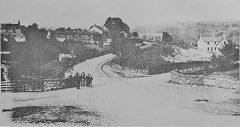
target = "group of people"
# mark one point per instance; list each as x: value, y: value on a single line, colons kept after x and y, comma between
x: 80, y: 80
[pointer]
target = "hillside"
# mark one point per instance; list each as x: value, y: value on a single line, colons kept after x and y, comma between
x: 189, y: 32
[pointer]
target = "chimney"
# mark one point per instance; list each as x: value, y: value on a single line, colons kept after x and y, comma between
x: 18, y: 22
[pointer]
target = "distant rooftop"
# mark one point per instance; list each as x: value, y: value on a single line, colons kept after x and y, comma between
x: 81, y: 32
x: 10, y: 26
x: 212, y: 39
x: 207, y: 35
x: 102, y: 28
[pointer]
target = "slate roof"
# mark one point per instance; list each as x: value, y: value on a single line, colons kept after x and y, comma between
x: 212, y: 39
x: 10, y: 26
x: 82, y: 32
x: 99, y: 27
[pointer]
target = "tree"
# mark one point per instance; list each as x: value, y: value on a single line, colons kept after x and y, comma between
x: 166, y: 37
x: 60, y: 29
x: 115, y: 27
x: 68, y: 29
x: 135, y: 34
x: 34, y: 26
x: 229, y: 55
x: 230, y: 52
x: 116, y: 24
x: 144, y: 37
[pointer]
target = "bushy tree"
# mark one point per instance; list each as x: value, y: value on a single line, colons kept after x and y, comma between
x: 68, y: 29
x: 166, y: 37
x: 230, y: 52
x: 115, y: 27
x: 116, y: 24
x: 135, y: 34
x: 60, y: 29
x: 226, y: 61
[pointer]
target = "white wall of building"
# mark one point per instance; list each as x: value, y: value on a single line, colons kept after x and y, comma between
x: 210, y: 46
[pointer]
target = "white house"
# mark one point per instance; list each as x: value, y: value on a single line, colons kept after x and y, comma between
x: 96, y: 28
x: 211, y: 43
x: 103, y: 35
x: 14, y: 30
x: 63, y: 57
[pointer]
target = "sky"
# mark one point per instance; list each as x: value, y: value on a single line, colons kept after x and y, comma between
x: 84, y: 13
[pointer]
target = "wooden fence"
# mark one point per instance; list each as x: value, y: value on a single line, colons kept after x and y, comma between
x: 7, y: 86
x: 32, y: 85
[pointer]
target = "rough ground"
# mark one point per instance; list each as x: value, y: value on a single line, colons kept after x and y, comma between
x: 119, y: 101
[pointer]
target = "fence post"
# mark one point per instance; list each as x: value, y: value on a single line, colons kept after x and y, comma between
x: 42, y: 84
x: 15, y: 84
x: 33, y: 85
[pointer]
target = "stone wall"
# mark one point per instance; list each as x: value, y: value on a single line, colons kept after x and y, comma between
x: 221, y: 82
x: 186, y: 79
x: 213, y: 80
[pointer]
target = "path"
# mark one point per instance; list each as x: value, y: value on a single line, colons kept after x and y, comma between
x: 140, y: 101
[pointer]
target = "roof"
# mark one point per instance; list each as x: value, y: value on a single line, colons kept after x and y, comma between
x: 102, y: 28
x: 212, y: 39
x: 10, y: 26
x: 82, y: 32
x: 207, y: 35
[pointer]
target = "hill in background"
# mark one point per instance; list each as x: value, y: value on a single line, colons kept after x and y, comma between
x: 189, y: 31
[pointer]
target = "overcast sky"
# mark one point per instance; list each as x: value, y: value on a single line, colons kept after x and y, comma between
x: 84, y: 13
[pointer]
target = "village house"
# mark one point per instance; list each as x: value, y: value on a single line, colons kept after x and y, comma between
x: 76, y: 35
x: 211, y: 43
x: 103, y: 35
x: 12, y: 30
x: 64, y: 57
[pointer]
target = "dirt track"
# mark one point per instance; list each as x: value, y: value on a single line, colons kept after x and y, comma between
x: 141, y: 101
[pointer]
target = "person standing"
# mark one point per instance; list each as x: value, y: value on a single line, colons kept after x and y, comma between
x: 76, y: 80
x: 84, y: 79
x: 91, y: 79
x: 81, y: 81
x: 88, y: 80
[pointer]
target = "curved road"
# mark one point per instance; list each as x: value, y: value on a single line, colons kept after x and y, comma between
x: 141, y: 101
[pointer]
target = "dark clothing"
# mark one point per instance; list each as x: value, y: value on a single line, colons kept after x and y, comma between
x: 76, y: 80
x: 91, y: 79
x: 83, y: 79
x: 88, y: 81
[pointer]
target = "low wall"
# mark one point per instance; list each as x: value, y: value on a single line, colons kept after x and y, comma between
x: 211, y: 80
x: 221, y: 82
x: 187, y: 79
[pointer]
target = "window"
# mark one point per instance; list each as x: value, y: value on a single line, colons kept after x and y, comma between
x: 215, y: 48
x: 208, y: 48
x: 208, y: 43
x: 211, y: 48
x: 215, y: 43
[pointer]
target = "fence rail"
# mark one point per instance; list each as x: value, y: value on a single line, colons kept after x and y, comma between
x: 7, y: 86
x: 32, y: 85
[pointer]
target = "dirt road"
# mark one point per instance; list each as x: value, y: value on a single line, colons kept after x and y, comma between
x: 141, y: 101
